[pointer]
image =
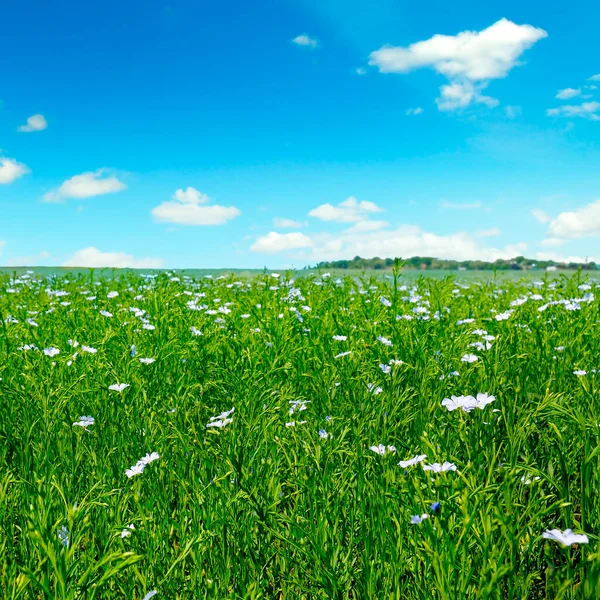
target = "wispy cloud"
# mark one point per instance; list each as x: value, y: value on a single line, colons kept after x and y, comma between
x: 306, y: 41
x: 568, y: 93
x: 86, y: 185
x: 585, y: 110
x: 93, y: 258
x: 348, y: 211
x: 282, y: 223
x: 34, y: 123
x: 413, y: 112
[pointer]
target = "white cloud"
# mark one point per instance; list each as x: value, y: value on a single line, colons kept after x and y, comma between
x: 361, y: 71
x: 460, y: 205
x: 568, y: 93
x: 190, y: 207
x: 28, y: 261
x: 413, y: 112
x: 94, y: 258
x: 305, y: 40
x: 585, y: 110
x: 551, y: 242
x: 406, y: 241
x: 34, y: 123
x: 512, y: 112
x: 460, y: 94
x: 469, y: 59
x: 348, y: 211
x: 286, y: 223
x: 582, y: 222
x: 10, y: 170
x: 279, y: 242
x: 540, y: 215
x: 561, y: 258
x: 86, y: 185
x: 595, y: 77
x: 493, y: 232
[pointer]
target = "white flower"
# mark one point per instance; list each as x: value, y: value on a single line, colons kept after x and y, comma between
x: 527, y: 481
x: 469, y: 358
x: 384, y: 301
x: 147, y: 361
x: 416, y: 519
x: 385, y: 368
x: 374, y: 389
x: 504, y: 316
x: 437, y: 468
x: 73, y: 343
x: 381, y: 449
x: 384, y: 341
x: 195, y: 331
x: 579, y: 373
x: 323, y: 434
x: 112, y: 294
x: 137, y: 469
x: 84, y: 422
x: 566, y: 537
x: 51, y: 351
x: 150, y: 595
x: 118, y: 387
x: 412, y: 461
x: 146, y: 460
x: 127, y: 531
x: 340, y: 338
x: 89, y: 349
x: 105, y: 313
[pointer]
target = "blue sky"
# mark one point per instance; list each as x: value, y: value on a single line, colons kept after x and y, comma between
x: 235, y: 134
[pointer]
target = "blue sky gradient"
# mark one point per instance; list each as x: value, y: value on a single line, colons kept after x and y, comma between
x: 148, y: 98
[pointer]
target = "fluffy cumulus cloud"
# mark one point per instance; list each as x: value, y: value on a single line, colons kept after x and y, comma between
x: 306, y: 41
x: 580, y: 223
x: 93, y: 258
x: 348, y: 211
x: 191, y: 207
x: 585, y: 110
x: 275, y: 242
x: 595, y: 77
x: 469, y: 60
x: 10, y: 170
x: 86, y: 185
x: 34, y: 123
x: 281, y: 223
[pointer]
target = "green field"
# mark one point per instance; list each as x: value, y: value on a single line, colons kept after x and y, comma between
x: 253, y: 448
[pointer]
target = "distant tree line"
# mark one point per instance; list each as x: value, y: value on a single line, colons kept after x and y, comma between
x: 519, y: 263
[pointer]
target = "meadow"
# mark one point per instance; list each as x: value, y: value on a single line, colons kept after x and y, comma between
x: 298, y: 437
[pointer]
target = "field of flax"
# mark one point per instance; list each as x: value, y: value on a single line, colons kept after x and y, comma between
x: 303, y: 438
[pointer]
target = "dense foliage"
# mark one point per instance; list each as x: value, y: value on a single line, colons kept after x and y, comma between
x: 264, y: 438
x: 519, y: 263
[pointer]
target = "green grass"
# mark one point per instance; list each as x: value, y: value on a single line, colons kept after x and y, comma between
x: 257, y: 509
